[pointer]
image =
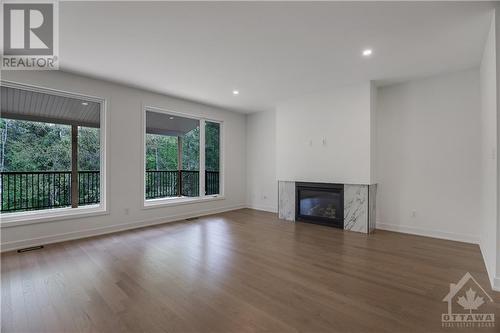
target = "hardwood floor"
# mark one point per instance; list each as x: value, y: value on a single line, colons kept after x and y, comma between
x: 240, y: 271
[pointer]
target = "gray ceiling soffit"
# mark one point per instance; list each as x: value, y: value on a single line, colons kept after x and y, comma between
x: 161, y: 123
x: 37, y: 106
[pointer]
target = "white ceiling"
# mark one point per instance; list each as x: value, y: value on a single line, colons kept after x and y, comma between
x: 269, y: 51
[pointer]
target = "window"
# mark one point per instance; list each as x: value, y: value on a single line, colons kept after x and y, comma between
x: 175, y: 166
x: 212, y: 158
x: 51, y: 154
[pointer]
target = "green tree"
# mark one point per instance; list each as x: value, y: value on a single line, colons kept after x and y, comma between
x: 37, y: 146
x: 161, y: 152
x: 191, y: 150
x: 89, y: 149
x: 212, y: 146
x: 28, y: 146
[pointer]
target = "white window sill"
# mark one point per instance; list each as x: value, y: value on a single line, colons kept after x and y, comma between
x: 176, y: 201
x: 49, y: 215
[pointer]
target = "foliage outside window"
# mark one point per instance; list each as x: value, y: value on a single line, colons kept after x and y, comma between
x: 35, y: 165
x: 212, y: 158
x: 161, y: 152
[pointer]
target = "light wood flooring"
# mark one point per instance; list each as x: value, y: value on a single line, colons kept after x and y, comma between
x: 240, y: 271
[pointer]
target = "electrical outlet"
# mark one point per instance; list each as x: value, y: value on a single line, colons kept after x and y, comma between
x: 413, y: 213
x: 126, y: 211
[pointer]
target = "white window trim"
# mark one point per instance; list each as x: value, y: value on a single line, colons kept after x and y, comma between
x: 175, y: 201
x: 65, y: 213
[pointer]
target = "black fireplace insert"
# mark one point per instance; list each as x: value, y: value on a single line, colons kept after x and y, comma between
x: 320, y: 203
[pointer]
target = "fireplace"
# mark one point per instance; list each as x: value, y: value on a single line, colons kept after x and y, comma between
x: 320, y: 203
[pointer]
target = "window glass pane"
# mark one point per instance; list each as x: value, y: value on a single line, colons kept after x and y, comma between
x: 36, y: 151
x: 191, y: 150
x: 35, y: 146
x: 161, y: 152
x: 212, y: 158
x: 89, y: 165
x: 172, y: 156
x: 89, y: 149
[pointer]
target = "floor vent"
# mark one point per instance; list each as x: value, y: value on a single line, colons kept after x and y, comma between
x: 33, y: 248
x: 192, y: 219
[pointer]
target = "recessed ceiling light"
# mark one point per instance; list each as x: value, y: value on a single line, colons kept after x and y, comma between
x: 170, y: 118
x: 85, y: 103
x: 367, y: 52
x: 236, y: 92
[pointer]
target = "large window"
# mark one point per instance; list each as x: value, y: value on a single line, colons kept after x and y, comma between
x: 50, y: 151
x: 175, y: 166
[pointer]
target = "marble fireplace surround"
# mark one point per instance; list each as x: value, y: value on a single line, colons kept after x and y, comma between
x: 359, y: 205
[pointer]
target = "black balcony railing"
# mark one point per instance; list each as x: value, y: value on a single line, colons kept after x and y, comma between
x: 190, y: 183
x: 160, y: 184
x: 212, y: 182
x: 21, y: 191
x: 89, y: 187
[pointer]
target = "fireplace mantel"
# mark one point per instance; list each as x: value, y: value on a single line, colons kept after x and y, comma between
x: 359, y: 205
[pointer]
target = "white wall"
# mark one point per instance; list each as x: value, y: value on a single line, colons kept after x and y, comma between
x: 262, y: 186
x: 373, y: 133
x: 125, y: 108
x: 429, y: 153
x: 342, y: 117
x: 496, y: 22
x: 488, y: 230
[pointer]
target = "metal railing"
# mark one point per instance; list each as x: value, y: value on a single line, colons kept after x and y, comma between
x: 162, y: 183
x: 21, y: 191
x: 212, y: 182
x: 89, y: 187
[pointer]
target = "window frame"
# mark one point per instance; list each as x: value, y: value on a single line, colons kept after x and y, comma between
x: 64, y: 213
x: 175, y: 201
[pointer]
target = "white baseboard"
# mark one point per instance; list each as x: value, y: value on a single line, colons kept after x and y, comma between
x: 263, y: 208
x: 428, y: 233
x: 496, y: 284
x: 19, y: 244
x: 491, y: 275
